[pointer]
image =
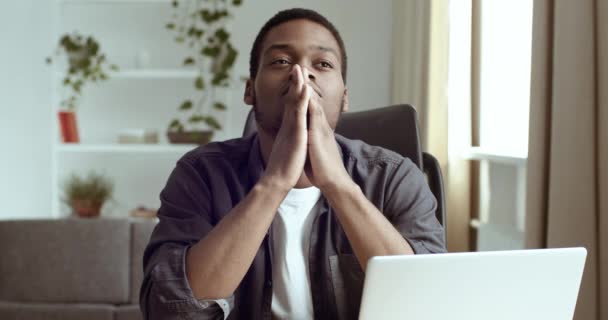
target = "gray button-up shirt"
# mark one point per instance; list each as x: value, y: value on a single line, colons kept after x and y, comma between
x: 209, y: 181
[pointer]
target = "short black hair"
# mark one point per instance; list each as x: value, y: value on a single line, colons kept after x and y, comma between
x: 286, y: 16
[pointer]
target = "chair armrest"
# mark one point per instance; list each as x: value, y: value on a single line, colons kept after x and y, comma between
x: 435, y: 179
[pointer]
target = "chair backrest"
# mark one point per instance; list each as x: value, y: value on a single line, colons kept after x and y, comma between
x: 394, y: 128
x: 377, y: 127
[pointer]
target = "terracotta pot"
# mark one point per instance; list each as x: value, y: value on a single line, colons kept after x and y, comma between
x: 67, y: 124
x: 201, y: 137
x: 86, y: 208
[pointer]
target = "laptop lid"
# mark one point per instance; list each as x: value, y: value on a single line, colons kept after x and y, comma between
x: 520, y: 284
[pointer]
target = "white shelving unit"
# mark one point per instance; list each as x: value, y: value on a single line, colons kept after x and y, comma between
x: 150, y: 74
x: 96, y: 149
x: 125, y: 148
x: 478, y: 153
x: 501, y: 223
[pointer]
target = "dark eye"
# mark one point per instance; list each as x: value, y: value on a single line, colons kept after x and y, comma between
x: 325, y: 64
x: 280, y: 61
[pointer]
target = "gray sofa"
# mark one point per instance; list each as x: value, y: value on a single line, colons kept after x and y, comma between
x: 72, y: 268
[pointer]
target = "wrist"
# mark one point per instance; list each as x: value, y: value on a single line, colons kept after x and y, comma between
x: 335, y: 189
x: 275, y: 184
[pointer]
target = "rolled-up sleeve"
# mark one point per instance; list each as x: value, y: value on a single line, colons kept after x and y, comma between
x: 183, y: 220
x: 410, y: 206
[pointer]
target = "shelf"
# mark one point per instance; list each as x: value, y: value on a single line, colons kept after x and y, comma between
x: 154, y: 74
x: 478, y: 153
x: 114, y: 1
x: 149, y: 74
x: 475, y: 223
x: 125, y: 148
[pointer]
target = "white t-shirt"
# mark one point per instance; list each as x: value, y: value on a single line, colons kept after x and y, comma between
x: 291, y: 296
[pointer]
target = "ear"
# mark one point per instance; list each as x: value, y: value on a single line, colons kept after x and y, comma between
x: 249, y: 96
x: 345, y: 100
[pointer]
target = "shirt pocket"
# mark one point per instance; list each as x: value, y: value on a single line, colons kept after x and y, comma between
x: 347, y: 278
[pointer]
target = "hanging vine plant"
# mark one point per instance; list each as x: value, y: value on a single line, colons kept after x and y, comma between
x: 86, y: 63
x: 201, y: 25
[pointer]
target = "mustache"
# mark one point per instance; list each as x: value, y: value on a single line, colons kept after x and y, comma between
x: 314, y: 87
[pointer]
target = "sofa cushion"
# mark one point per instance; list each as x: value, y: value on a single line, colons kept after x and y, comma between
x: 141, y: 229
x: 55, y: 311
x: 65, y: 260
x: 128, y: 312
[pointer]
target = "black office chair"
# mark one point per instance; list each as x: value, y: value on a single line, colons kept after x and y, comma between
x: 394, y: 128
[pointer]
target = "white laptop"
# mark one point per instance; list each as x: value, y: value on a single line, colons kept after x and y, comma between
x: 521, y: 284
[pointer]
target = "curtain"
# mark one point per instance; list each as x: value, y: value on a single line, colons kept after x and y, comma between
x: 567, y: 183
x: 420, y: 77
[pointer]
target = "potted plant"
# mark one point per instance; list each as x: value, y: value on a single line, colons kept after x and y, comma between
x: 85, y: 63
x: 201, y: 25
x: 86, y: 196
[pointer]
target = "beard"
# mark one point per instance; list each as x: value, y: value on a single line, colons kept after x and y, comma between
x: 266, y: 122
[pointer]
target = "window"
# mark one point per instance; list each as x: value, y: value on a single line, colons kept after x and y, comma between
x: 489, y: 74
x: 505, y: 40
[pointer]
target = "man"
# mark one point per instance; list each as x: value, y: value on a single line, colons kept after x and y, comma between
x: 281, y: 224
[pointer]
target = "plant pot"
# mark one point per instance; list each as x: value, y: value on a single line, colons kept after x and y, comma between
x: 86, y: 208
x: 67, y: 124
x: 200, y: 137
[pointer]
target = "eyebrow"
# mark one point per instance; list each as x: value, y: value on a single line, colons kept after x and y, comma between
x: 284, y: 46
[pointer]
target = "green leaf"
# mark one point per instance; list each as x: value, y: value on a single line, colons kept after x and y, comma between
x: 188, y: 61
x: 219, y: 106
x: 237, y: 2
x: 206, y: 16
x: 77, y: 85
x: 211, y: 51
x: 176, y: 125
x: 199, y: 83
x: 196, y: 118
x: 230, y: 58
x: 174, y: 3
x: 186, y: 105
x: 222, y: 35
x: 179, y: 39
x: 93, y: 46
x: 218, y: 78
x: 192, y: 31
x: 66, y: 81
x: 170, y: 26
x: 211, y: 17
x: 212, y: 123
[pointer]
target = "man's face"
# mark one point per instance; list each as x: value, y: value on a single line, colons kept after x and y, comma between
x: 311, y: 46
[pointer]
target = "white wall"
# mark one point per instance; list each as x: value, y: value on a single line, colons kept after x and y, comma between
x: 25, y: 102
x: 24, y: 111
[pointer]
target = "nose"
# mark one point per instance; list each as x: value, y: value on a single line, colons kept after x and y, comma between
x: 311, y: 75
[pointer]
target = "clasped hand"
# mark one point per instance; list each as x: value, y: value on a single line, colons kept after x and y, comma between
x: 305, y: 146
